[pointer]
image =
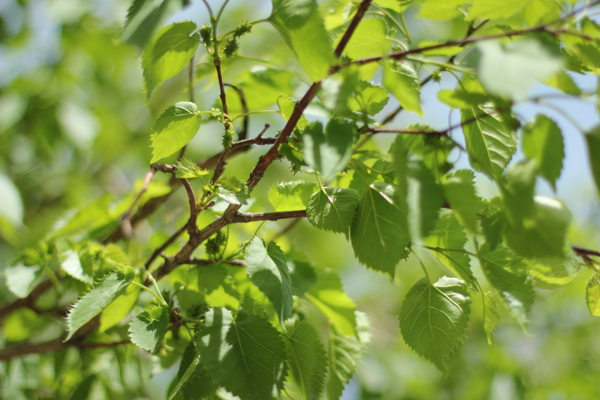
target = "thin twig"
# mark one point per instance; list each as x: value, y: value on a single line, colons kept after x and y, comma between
x: 360, y: 12
x: 273, y: 216
x: 234, y: 263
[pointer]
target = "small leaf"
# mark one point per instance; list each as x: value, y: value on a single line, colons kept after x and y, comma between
x: 433, y: 318
x: 332, y: 209
x: 169, y: 53
x: 187, y: 169
x: 329, y: 298
x: 459, y: 191
x: 563, y: 82
x: 508, y: 275
x: 592, y: 295
x: 329, y: 153
x: 402, y: 81
x: 72, y: 266
x: 489, y: 144
x: 268, y: 270
x: 21, y: 279
x: 175, y: 127
x: 148, y: 329
x: 543, y: 142
x: 369, y: 40
x: 440, y: 10
x: 492, y: 315
x: 291, y: 196
x: 307, y: 359
x: 460, y: 98
x: 345, y: 353
x: 593, y: 143
x: 247, y: 356
x: 368, y: 98
x: 241, y: 197
x: 145, y: 16
x: 301, y: 25
x: 93, y: 302
x: 380, y: 230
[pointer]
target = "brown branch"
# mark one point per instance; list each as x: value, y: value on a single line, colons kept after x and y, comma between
x: 243, y: 134
x: 273, y: 216
x: 221, y: 86
x: 191, y: 224
x: 580, y: 251
x: 360, y: 13
x: 27, y: 301
x: 234, y: 263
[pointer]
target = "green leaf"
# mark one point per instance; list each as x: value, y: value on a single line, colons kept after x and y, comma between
x: 148, y: 328
x: 492, y: 315
x: 563, y: 82
x: 461, y: 99
x: 440, y: 10
x: 368, y: 98
x: 291, y: 196
x: 553, y: 275
x: 345, y: 353
x: 116, y: 311
x: 495, y: 9
x: 369, y: 40
x: 145, y: 16
x: 169, y: 53
x: 329, y: 153
x: 175, y: 127
x: 301, y: 26
x: 247, y: 356
x: 459, y: 191
x: 286, y: 106
x: 517, y: 188
x: 11, y: 206
x: 303, y: 277
x: 93, y: 302
x: 538, y: 11
x: 21, y: 279
x: 510, y: 71
x: 329, y: 298
x: 380, y: 230
x: 449, y: 234
x: 187, y: 169
x: 489, y: 144
x: 543, y: 142
x: 262, y: 87
x: 433, y: 318
x: 241, y: 197
x: 307, y: 359
x: 84, y: 389
x: 592, y: 295
x: 593, y: 144
x: 193, y: 380
x: 332, y: 209
x: 72, y: 266
x: 402, y: 81
x: 508, y: 275
x: 268, y: 270
x: 493, y: 221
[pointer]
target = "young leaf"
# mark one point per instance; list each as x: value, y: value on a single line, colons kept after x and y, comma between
x: 187, y: 169
x: 593, y: 143
x: 307, y: 359
x: 368, y: 98
x: 247, y: 356
x: 592, y: 295
x: 268, y: 270
x: 433, y: 318
x: 345, y: 353
x: 380, y: 230
x: 116, y: 311
x: 492, y: 315
x: 449, y: 234
x: 329, y: 298
x: 169, y: 53
x: 508, y: 275
x: 290, y: 196
x: 543, y: 142
x: 21, y: 279
x: 148, y: 328
x: 332, y: 209
x: 329, y: 153
x: 402, y: 81
x: 145, y: 16
x: 175, y: 127
x: 440, y: 10
x: 459, y: 191
x: 72, y: 266
x: 301, y: 25
x: 93, y: 302
x: 369, y: 40
x: 489, y: 143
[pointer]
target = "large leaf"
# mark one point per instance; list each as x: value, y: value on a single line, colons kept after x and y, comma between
x: 380, y: 230
x: 543, y: 142
x: 169, y: 53
x: 193, y: 380
x: 441, y: 9
x: 307, y: 359
x: 402, y: 81
x: 459, y: 191
x: 93, y: 302
x: 489, y: 143
x: 145, y: 16
x: 301, y: 26
x: 434, y: 317
x: 175, y: 127
x: 333, y: 209
x: 593, y: 143
x: 369, y: 40
x: 508, y: 275
x: 329, y: 152
x: 148, y: 328
x: 268, y: 270
x: 344, y: 354
x: 329, y: 298
x: 291, y: 196
x: 449, y: 238
x: 247, y: 356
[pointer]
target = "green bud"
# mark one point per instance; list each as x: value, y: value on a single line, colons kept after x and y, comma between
x: 231, y: 47
x: 206, y: 35
x: 242, y: 28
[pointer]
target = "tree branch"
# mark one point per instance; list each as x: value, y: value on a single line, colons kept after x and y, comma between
x: 360, y: 13
x: 273, y: 216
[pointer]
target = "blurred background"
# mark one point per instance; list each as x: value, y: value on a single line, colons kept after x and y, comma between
x: 75, y: 125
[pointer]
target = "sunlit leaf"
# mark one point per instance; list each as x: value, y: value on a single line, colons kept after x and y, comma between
x: 543, y: 142
x: 592, y: 295
x: 459, y: 191
x: 332, y: 209
x: 290, y: 196
x: 330, y: 151
x: 148, y: 328
x: 402, y: 81
x: 175, y: 127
